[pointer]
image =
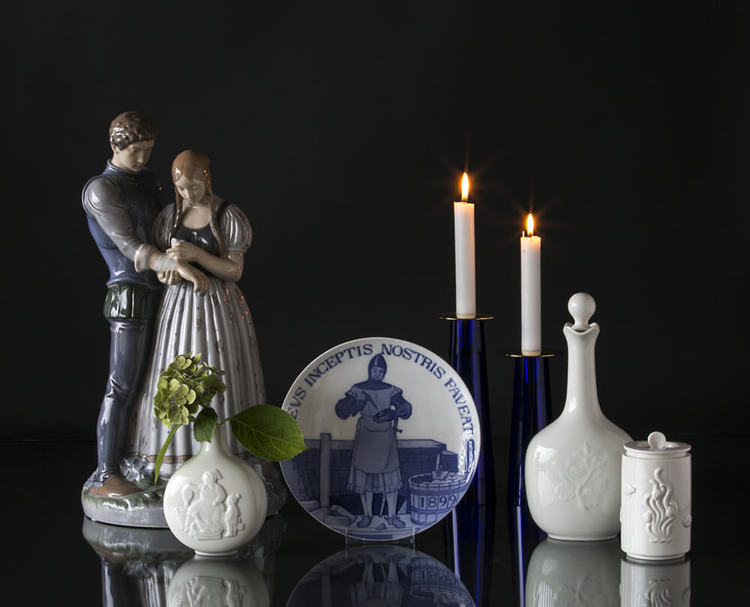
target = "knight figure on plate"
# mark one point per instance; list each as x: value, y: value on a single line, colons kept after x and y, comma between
x: 375, y: 464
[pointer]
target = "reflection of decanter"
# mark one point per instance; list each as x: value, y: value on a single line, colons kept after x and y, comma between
x: 573, y: 465
x: 580, y: 573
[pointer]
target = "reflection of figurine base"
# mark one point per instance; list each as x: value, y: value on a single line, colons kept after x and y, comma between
x: 122, y: 543
x: 141, y: 566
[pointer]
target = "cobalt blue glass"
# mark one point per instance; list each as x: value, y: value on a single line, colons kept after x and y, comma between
x: 470, y: 549
x: 531, y: 412
x: 469, y: 360
x: 473, y: 519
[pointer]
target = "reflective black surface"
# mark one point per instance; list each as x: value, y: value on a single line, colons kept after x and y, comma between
x: 49, y: 560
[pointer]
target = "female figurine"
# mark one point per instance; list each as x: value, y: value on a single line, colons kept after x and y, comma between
x: 201, y: 229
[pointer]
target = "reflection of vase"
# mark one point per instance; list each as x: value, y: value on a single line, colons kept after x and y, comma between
x: 214, y: 503
x: 220, y: 582
x: 574, y: 573
x: 662, y: 584
x: 573, y: 465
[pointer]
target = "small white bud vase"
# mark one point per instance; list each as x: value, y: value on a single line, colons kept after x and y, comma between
x: 656, y: 495
x: 573, y: 465
x: 215, y: 503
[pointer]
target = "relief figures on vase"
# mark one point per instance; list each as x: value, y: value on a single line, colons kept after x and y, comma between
x: 393, y: 438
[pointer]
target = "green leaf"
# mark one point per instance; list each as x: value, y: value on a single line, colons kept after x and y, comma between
x: 212, y: 383
x: 268, y: 432
x: 162, y: 452
x: 205, y: 423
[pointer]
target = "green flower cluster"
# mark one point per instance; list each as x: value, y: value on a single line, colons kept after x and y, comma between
x: 183, y: 387
x: 183, y: 393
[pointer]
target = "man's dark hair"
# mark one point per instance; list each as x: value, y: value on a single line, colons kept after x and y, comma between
x: 130, y: 127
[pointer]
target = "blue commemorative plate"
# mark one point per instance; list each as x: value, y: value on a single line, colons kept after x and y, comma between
x: 393, y: 438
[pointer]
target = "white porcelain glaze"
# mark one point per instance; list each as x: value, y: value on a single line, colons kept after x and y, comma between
x: 656, y: 494
x: 218, y: 582
x: 215, y: 503
x: 573, y: 465
x: 573, y: 573
x: 662, y: 584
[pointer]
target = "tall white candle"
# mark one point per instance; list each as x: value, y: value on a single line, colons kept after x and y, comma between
x: 531, y: 291
x: 463, y: 214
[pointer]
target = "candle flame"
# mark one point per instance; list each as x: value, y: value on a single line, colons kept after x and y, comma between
x: 530, y: 225
x: 465, y: 188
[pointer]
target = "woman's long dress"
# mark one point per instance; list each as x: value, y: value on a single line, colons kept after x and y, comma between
x: 219, y: 326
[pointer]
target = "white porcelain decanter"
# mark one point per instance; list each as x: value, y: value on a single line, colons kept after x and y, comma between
x: 573, y: 465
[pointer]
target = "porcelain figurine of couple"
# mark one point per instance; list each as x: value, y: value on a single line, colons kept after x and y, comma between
x: 171, y: 290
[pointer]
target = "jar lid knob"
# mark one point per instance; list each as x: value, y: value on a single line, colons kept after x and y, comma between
x: 581, y: 307
x: 656, y: 440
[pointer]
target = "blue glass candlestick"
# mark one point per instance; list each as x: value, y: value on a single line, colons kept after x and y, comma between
x: 472, y: 530
x: 531, y: 412
x: 468, y: 359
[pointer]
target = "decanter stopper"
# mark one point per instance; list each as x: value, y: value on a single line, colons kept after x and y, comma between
x: 581, y: 307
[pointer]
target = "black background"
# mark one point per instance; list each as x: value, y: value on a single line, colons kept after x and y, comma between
x: 342, y: 130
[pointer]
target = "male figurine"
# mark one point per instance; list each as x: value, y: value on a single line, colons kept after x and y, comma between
x: 121, y: 205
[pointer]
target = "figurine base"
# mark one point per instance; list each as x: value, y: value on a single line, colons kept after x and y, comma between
x: 123, y: 543
x: 144, y: 509
x: 141, y: 509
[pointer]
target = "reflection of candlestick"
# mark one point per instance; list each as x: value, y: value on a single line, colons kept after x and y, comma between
x: 531, y: 291
x: 463, y: 213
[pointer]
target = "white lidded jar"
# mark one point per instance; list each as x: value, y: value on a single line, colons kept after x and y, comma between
x: 573, y: 465
x: 215, y: 502
x: 656, y: 496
